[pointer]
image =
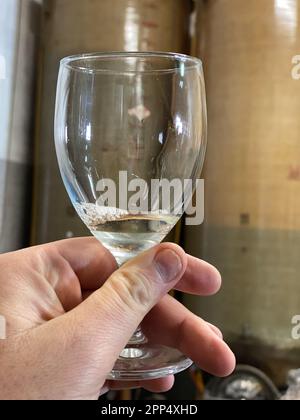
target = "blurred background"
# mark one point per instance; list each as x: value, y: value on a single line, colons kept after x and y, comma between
x: 251, y: 55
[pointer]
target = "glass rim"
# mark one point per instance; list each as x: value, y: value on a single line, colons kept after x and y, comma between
x: 68, y: 62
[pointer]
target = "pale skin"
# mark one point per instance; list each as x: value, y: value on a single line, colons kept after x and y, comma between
x: 70, y: 312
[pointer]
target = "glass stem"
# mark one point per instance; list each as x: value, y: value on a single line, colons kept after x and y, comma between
x: 138, y: 337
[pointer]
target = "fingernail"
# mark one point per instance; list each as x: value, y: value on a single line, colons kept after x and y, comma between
x: 168, y: 264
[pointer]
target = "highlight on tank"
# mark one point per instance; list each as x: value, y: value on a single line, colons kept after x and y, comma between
x: 250, y: 54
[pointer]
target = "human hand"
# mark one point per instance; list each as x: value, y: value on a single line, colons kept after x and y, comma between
x: 70, y: 313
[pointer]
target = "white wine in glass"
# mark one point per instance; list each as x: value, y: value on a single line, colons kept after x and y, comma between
x: 125, y: 234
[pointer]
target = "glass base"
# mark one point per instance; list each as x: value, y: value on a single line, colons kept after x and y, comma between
x: 148, y: 361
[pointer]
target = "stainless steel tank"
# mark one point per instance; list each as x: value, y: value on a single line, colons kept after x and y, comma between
x: 252, y: 222
x: 77, y: 26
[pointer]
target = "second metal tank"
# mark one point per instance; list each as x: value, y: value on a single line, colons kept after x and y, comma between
x: 252, y: 222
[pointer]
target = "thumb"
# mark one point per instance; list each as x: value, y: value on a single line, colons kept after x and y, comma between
x: 109, y: 317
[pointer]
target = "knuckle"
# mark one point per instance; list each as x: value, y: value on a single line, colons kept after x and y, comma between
x: 133, y: 288
x: 56, y: 268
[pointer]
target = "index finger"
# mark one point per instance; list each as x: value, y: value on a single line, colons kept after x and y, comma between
x: 89, y: 259
x: 200, y: 278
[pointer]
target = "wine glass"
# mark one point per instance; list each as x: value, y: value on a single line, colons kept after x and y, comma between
x: 125, y: 123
